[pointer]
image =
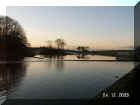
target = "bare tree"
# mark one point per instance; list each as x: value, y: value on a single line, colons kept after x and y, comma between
x: 11, y: 28
x: 60, y: 43
x: 49, y: 43
x: 82, y: 48
x: 63, y: 44
x: 13, y: 41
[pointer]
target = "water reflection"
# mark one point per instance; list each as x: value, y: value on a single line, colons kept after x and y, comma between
x: 59, y: 78
x: 59, y: 63
x: 11, y: 75
x: 47, y: 82
x: 82, y: 56
x: 77, y: 57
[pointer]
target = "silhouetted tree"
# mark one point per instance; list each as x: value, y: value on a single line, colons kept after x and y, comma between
x: 49, y: 44
x: 63, y: 44
x: 82, y: 48
x: 13, y: 41
x: 60, y: 43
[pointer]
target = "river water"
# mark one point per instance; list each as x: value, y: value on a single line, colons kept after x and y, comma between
x: 60, y: 79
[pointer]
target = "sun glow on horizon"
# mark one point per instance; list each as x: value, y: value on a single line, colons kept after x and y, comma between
x: 83, y: 26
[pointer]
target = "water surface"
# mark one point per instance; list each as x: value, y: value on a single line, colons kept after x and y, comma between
x: 71, y: 57
x: 54, y: 79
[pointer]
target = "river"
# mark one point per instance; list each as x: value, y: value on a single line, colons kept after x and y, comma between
x: 47, y: 78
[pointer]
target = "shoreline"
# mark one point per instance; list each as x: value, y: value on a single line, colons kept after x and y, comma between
x: 124, y: 89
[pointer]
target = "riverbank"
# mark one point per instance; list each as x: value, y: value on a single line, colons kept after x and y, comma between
x: 2, y: 92
x: 122, y: 91
x: 123, y: 55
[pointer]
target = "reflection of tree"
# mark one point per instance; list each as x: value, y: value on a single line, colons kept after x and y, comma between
x: 56, y: 61
x: 82, y: 56
x: 60, y: 63
x: 11, y: 74
x: 60, y: 57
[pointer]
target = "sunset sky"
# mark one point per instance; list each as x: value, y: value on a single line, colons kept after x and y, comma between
x: 98, y: 27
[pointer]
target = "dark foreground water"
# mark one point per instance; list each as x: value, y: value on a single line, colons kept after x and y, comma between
x: 60, y: 79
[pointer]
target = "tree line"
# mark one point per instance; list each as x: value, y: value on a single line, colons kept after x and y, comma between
x: 13, y: 41
x: 60, y: 43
